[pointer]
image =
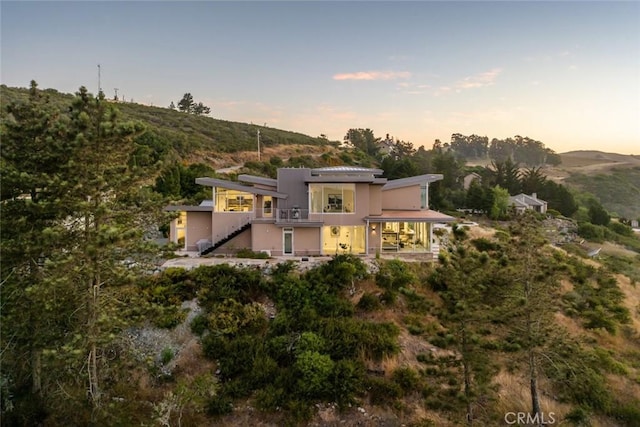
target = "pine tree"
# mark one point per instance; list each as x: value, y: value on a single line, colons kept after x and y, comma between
x: 531, y: 299
x: 35, y: 308
x: 462, y: 279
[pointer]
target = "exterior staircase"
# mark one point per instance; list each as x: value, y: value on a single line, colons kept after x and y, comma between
x: 225, y: 239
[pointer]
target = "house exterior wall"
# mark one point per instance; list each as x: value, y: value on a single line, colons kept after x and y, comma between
x: 402, y: 198
x: 266, y: 237
x: 225, y: 223
x: 291, y: 181
x: 198, y: 227
x: 241, y: 241
x: 306, y: 241
x: 375, y: 200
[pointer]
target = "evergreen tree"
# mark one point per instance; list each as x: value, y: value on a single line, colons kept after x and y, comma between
x: 530, y: 300
x: 462, y: 279
x: 186, y: 104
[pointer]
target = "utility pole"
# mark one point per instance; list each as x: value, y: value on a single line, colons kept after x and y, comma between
x: 99, y: 87
x: 258, y: 144
x: 116, y: 97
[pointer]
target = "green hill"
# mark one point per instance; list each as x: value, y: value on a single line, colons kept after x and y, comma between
x: 183, y: 133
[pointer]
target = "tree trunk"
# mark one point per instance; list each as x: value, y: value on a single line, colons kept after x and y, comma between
x: 467, y: 377
x: 36, y: 371
x: 533, y: 385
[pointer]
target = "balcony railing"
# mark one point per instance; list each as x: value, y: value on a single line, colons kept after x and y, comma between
x: 292, y: 215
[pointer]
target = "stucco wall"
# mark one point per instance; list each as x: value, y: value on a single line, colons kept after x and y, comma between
x: 225, y: 223
x: 375, y: 200
x: 241, y: 241
x: 198, y: 227
x: 402, y: 198
x: 266, y: 237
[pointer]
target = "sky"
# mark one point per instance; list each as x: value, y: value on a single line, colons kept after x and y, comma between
x: 564, y: 73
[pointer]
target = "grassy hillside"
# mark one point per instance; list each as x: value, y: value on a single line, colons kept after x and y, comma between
x: 184, y: 133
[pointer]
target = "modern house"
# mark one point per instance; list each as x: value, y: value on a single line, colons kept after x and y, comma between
x: 522, y: 202
x: 306, y: 211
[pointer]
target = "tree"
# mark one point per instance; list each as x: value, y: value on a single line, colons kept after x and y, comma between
x: 500, y: 206
x: 189, y: 106
x: 79, y: 212
x: 363, y: 139
x: 200, y: 109
x: 506, y: 174
x: 172, y: 106
x: 532, y: 180
x: 186, y: 103
x: 531, y: 298
x: 598, y: 215
x: 35, y: 307
x: 462, y: 279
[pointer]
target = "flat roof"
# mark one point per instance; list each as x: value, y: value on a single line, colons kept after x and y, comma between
x: 418, y: 216
x: 214, y: 182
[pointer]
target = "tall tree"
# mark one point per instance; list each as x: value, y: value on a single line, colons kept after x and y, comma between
x: 531, y: 299
x: 462, y: 280
x: 532, y: 180
x: 34, y: 152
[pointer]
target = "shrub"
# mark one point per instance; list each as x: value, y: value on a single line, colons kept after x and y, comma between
x: 406, y: 378
x: 248, y: 253
x: 383, y: 391
x: 219, y: 405
x: 346, y: 381
x: 167, y: 355
x: 394, y: 274
x: 369, y: 302
x: 314, y: 370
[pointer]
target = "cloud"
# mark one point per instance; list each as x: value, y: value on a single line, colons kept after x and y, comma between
x: 480, y: 80
x: 373, y: 75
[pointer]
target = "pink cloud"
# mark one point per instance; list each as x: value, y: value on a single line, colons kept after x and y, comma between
x: 480, y: 80
x: 373, y: 75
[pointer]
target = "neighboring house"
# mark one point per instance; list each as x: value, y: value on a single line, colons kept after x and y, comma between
x: 468, y: 179
x: 306, y: 211
x: 522, y: 202
x: 386, y: 147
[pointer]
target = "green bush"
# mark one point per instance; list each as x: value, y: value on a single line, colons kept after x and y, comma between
x: 219, y: 405
x: 369, y: 302
x: 406, y: 378
x: 314, y: 370
x: 248, y: 253
x: 382, y: 391
x: 394, y: 274
x: 347, y: 381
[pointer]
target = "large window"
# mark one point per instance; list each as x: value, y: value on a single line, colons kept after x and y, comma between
x: 339, y: 239
x: 233, y: 201
x: 332, y: 198
x: 405, y: 237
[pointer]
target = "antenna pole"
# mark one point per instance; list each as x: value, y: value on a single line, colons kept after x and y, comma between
x: 258, y: 144
x: 99, y: 87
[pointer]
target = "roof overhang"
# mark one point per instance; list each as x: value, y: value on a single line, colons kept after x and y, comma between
x: 188, y: 208
x: 213, y: 182
x: 412, y: 180
x: 259, y: 180
x: 411, y: 216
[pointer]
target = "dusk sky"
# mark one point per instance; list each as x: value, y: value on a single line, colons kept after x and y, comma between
x: 564, y: 73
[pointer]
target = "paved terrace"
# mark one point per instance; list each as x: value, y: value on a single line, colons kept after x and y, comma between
x: 189, y: 260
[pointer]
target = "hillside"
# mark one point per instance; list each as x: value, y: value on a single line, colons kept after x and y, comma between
x: 187, y: 136
x: 614, y: 179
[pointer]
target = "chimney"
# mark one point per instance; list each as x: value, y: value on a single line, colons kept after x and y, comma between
x: 534, y: 195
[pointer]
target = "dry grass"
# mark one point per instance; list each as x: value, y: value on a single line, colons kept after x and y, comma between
x: 514, y: 396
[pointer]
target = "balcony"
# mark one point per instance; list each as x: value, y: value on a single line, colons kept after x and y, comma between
x: 296, y: 216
